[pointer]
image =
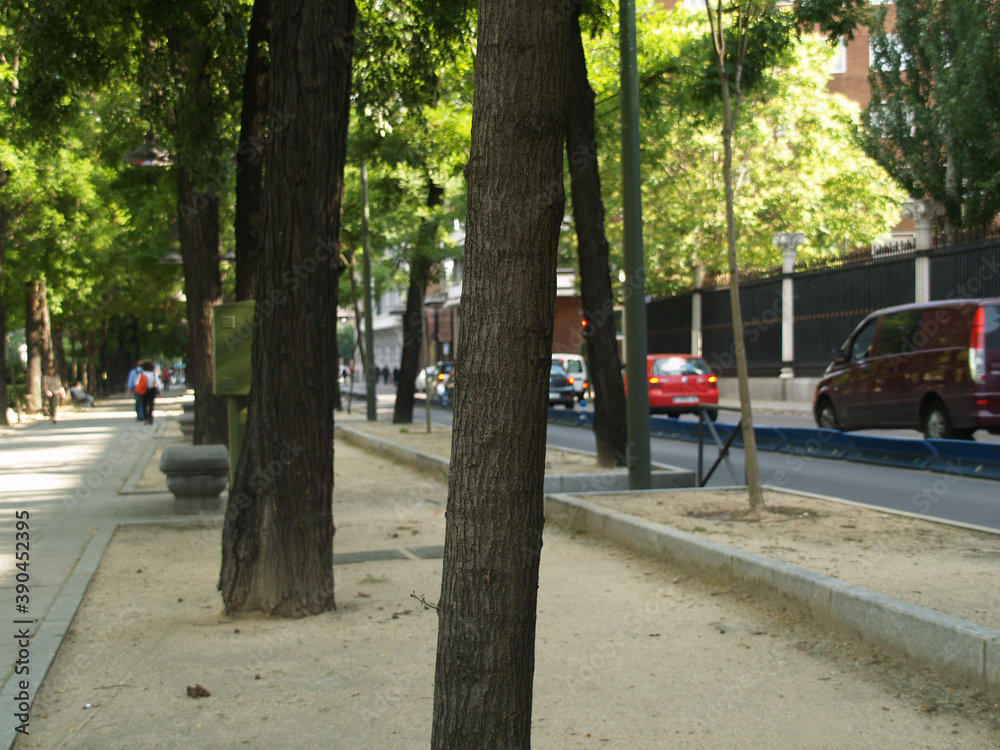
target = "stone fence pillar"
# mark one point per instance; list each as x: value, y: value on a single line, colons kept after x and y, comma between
x: 788, y: 242
x: 923, y: 212
x: 699, y: 280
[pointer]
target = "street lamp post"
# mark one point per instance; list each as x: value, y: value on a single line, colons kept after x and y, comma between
x: 637, y: 405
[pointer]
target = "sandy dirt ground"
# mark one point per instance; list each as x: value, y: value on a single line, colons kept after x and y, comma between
x: 630, y: 653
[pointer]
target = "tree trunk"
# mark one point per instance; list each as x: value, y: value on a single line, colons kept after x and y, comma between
x: 198, y: 228
x: 413, y: 323
x: 34, y: 337
x: 4, y: 216
x: 249, y: 156
x: 277, y: 546
x: 730, y: 115
x: 603, y: 361
x: 413, y: 328
x: 89, y: 347
x: 486, y: 633
x: 59, y: 354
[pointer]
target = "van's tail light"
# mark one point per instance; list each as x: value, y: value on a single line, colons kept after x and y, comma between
x: 654, y: 381
x: 712, y: 379
x: 977, y: 347
x: 570, y: 380
x: 586, y: 385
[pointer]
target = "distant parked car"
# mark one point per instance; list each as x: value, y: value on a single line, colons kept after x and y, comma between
x: 561, y: 387
x: 438, y: 373
x: 680, y: 384
x: 576, y: 367
x: 933, y: 366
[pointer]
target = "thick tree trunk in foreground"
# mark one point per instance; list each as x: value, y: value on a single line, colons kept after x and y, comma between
x: 198, y: 230
x: 277, y: 545
x: 603, y: 362
x: 486, y: 634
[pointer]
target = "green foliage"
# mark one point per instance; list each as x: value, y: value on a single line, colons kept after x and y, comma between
x: 92, y: 78
x: 834, y: 18
x: 797, y: 167
x: 934, y: 117
x: 345, y: 341
x: 411, y: 125
x: 80, y: 219
x: 769, y: 34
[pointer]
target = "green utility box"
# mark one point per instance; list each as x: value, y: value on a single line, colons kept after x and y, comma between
x: 232, y: 337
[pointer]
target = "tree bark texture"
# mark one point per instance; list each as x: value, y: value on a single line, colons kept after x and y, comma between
x: 486, y: 633
x: 250, y: 154
x: 4, y: 216
x: 277, y: 547
x: 34, y: 338
x: 413, y: 330
x: 413, y: 320
x: 730, y: 115
x: 198, y: 230
x: 603, y: 361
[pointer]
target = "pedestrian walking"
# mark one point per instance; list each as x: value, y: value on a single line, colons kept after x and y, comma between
x: 150, y: 393
x: 54, y: 391
x: 133, y: 376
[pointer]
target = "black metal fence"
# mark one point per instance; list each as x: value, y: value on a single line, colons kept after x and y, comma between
x: 830, y: 299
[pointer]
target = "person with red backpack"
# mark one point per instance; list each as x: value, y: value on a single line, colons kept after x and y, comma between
x: 146, y: 387
x: 133, y: 377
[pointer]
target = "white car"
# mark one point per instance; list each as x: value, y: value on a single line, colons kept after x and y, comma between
x: 576, y: 367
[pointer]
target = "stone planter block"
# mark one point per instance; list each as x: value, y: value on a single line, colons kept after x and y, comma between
x: 196, y: 475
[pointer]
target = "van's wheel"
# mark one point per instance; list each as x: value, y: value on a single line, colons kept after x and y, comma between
x: 827, y: 418
x: 712, y: 414
x: 937, y: 425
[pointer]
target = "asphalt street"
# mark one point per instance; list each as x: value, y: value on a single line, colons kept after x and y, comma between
x: 936, y: 495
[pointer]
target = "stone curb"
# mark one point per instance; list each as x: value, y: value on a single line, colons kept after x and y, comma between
x: 45, y: 643
x: 597, y: 481
x: 961, y: 648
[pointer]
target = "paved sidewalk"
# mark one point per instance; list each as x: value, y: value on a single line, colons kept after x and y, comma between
x: 70, y: 481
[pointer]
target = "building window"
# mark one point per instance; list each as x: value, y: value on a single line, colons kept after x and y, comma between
x: 838, y: 64
x: 694, y: 4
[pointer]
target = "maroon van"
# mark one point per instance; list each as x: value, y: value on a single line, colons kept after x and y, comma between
x: 932, y: 366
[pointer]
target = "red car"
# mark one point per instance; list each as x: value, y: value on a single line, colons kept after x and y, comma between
x: 680, y: 384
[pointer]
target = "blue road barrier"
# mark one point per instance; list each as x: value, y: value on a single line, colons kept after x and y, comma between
x: 677, y: 429
x: 566, y: 417
x: 903, y: 452
x: 810, y: 441
x: 966, y: 457
x: 962, y: 457
x: 665, y: 427
x: 769, y: 439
